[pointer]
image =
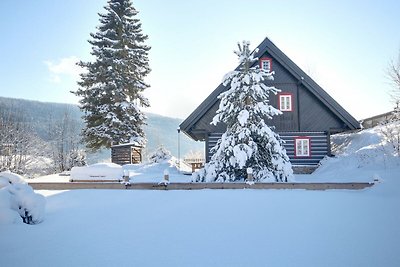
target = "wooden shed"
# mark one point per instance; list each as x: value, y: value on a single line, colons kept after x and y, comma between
x: 126, y: 154
x: 309, y: 114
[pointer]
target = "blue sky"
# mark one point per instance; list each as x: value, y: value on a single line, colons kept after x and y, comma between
x: 345, y: 46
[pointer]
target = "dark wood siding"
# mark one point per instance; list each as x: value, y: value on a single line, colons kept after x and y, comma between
x: 308, y: 113
x: 212, y: 140
x: 289, y: 120
x: 287, y: 83
x: 204, y: 125
x: 314, y: 115
x: 319, y: 146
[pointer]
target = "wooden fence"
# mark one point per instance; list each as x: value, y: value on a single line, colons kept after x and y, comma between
x: 198, y: 186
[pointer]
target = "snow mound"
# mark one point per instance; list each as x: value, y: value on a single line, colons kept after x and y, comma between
x: 357, y: 158
x: 353, y: 143
x: 98, y: 171
x: 18, y: 198
x: 154, y: 172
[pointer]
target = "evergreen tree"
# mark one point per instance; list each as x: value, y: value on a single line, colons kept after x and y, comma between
x: 112, y: 89
x: 248, y: 141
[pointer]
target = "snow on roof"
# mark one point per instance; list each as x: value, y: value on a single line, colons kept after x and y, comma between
x: 128, y: 144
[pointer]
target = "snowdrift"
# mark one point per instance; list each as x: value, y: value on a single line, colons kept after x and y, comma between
x: 154, y: 172
x: 359, y: 157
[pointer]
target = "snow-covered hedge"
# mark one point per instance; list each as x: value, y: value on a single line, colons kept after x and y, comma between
x: 18, y: 201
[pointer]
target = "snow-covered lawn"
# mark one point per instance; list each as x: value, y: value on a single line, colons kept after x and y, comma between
x: 223, y: 227
x: 211, y: 228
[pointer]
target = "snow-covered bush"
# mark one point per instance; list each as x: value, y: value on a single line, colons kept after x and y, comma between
x: 18, y: 198
x: 161, y: 154
x: 248, y: 141
x: 76, y: 159
x: 390, y: 130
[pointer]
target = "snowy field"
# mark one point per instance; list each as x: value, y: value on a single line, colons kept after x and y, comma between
x: 225, y: 227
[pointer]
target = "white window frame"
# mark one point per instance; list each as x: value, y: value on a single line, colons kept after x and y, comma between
x: 285, y: 102
x: 303, y: 147
x: 265, y: 60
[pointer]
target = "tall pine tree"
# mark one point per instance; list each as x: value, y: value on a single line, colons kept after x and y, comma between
x: 248, y: 141
x: 112, y: 89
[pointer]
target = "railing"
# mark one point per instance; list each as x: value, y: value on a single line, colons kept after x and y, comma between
x: 194, y: 160
x: 199, y: 186
x: 196, y: 163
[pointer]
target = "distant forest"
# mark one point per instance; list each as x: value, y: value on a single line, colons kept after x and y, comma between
x: 43, y: 120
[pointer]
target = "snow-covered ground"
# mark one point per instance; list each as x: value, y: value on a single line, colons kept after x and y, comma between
x: 225, y: 227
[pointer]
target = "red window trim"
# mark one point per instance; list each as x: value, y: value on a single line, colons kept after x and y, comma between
x: 309, y: 146
x: 266, y: 59
x: 291, y: 101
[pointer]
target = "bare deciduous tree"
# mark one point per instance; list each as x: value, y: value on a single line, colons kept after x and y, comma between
x: 393, y: 73
x: 391, y: 126
x: 20, y: 147
x: 64, y: 137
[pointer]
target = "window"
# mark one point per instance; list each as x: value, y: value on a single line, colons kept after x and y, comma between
x: 302, y: 147
x: 266, y: 63
x: 285, y: 102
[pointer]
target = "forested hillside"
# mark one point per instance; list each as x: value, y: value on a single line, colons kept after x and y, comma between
x: 50, y: 122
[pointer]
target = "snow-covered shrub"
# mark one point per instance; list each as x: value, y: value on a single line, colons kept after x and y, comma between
x: 18, y: 198
x: 76, y: 159
x: 161, y: 154
x: 391, y: 133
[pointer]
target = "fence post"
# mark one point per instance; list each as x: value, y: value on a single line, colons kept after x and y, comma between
x: 125, y: 177
x: 166, y: 175
x: 250, y: 179
x: 165, y: 180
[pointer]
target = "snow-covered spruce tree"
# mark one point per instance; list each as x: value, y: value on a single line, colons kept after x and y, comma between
x: 112, y: 89
x: 248, y: 141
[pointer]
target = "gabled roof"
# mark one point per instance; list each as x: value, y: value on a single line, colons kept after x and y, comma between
x: 293, y: 69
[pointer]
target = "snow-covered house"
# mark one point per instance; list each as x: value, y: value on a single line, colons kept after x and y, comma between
x: 309, y: 116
